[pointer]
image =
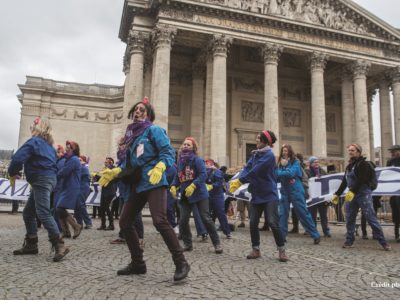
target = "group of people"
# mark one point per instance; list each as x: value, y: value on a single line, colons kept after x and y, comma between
x: 147, y: 171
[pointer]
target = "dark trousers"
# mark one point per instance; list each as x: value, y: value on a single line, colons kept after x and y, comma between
x: 395, y: 205
x: 322, y: 209
x: 15, y: 206
x: 157, y: 199
x: 105, y: 209
x: 115, y: 208
x: 128, y: 221
x: 271, y: 210
x: 295, y: 221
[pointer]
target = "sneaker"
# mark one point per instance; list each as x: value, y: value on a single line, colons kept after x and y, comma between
x: 347, y: 245
x: 204, y: 237
x: 282, y: 256
x: 90, y: 226
x: 386, y: 247
x: 229, y: 236
x: 317, y: 241
x: 118, y: 241
x: 254, y: 254
x: 241, y: 225
x: 218, y: 249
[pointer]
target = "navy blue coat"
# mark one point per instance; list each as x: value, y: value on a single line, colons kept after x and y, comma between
x: 216, y: 178
x: 69, y: 177
x: 37, y: 157
x: 259, y: 172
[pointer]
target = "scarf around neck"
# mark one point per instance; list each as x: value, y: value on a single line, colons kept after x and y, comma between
x: 133, y: 130
x: 186, y: 156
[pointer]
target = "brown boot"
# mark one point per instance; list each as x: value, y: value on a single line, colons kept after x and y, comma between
x: 65, y: 233
x: 75, y: 226
x: 282, y: 255
x: 255, y: 253
x: 29, y: 246
x: 60, y: 249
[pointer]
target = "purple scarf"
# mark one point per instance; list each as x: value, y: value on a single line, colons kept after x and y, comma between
x: 186, y: 156
x: 316, y: 171
x: 132, y: 132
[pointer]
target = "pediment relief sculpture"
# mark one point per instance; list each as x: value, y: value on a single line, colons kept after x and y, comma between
x: 62, y: 113
x: 78, y: 115
x: 330, y: 14
x: 101, y: 117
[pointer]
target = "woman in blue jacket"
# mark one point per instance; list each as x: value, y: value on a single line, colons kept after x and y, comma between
x: 69, y: 177
x: 38, y: 158
x: 215, y: 187
x: 149, y: 150
x: 191, y: 180
x: 292, y: 191
x: 259, y: 172
x: 81, y: 213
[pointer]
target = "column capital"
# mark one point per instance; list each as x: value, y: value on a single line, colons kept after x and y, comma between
x: 163, y: 36
x: 318, y: 61
x: 360, y: 68
x: 394, y: 74
x: 271, y: 53
x: 220, y: 45
x: 137, y: 40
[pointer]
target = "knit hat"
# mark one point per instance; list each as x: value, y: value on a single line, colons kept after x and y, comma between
x: 312, y: 159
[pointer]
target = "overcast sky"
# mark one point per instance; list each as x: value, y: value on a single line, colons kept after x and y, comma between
x: 75, y: 40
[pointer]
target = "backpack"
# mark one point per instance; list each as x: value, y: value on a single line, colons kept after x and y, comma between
x: 373, y: 181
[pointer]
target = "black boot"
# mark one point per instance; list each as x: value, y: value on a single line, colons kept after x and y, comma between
x: 181, y: 271
x: 29, y: 247
x: 110, y: 227
x: 59, y: 248
x: 133, y: 269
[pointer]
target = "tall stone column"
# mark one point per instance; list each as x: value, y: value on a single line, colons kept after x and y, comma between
x: 148, y: 67
x: 386, y: 120
x: 318, y: 118
x: 220, y: 45
x: 347, y: 111
x: 162, y: 38
x: 207, y: 108
x: 370, y: 100
x: 360, y: 69
x: 396, y: 102
x: 196, y: 120
x: 271, y: 53
x: 134, y: 79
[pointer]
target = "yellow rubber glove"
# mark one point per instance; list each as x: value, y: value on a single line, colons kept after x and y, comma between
x: 209, y: 187
x: 335, y: 199
x: 234, y: 185
x: 12, y: 180
x: 173, y: 191
x: 349, y: 196
x: 156, y: 173
x: 190, y: 190
x: 93, y: 174
x: 108, y: 175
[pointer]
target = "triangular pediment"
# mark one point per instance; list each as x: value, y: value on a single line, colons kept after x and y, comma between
x: 341, y: 15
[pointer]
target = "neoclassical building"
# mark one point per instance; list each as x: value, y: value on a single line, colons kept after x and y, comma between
x: 222, y: 70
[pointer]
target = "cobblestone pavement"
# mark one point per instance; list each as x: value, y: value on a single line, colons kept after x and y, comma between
x: 324, y: 271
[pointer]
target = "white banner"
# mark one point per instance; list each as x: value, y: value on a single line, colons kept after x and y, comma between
x: 321, y: 189
x: 22, y: 190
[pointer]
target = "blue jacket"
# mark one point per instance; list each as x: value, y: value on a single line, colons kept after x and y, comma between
x: 216, y: 178
x: 69, y: 177
x: 37, y: 157
x: 290, y: 179
x: 192, y: 172
x: 151, y: 147
x: 259, y: 172
x: 85, y: 181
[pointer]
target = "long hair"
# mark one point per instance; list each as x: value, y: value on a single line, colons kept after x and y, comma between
x: 291, y: 154
x: 42, y: 128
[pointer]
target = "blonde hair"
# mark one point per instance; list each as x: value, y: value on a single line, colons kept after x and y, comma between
x: 42, y: 128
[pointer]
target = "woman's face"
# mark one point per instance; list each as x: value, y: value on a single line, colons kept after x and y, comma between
x: 60, y: 153
x: 259, y: 143
x: 68, y: 149
x: 187, y: 145
x: 285, y: 152
x: 140, y: 113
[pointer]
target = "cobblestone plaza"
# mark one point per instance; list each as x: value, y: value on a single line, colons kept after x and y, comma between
x: 324, y: 271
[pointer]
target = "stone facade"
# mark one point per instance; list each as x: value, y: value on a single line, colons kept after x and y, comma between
x: 223, y: 70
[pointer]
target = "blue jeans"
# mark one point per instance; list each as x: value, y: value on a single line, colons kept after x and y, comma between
x: 217, y: 205
x: 363, y: 201
x: 302, y: 213
x: 204, y: 212
x: 271, y: 210
x: 39, y: 204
